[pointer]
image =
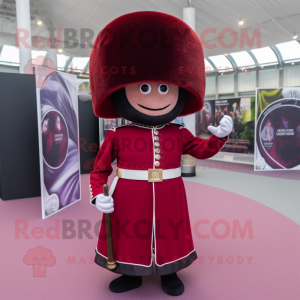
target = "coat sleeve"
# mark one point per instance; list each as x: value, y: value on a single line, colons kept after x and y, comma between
x: 102, y: 166
x: 200, y: 148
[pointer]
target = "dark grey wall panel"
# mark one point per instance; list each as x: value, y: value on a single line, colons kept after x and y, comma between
x: 19, y: 150
x: 89, y: 136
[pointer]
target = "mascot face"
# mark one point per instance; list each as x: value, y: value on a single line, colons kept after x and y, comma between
x: 149, y: 103
x: 153, y: 99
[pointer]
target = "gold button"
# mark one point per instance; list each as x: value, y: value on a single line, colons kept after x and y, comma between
x: 156, y: 132
x: 157, y: 156
x: 157, y: 150
x: 157, y: 164
x: 157, y: 144
x: 156, y: 138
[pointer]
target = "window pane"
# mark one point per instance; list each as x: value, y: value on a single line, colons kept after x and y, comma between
x: 208, y: 66
x: 79, y: 63
x: 10, y: 54
x: 61, y: 61
x: 221, y: 62
x: 289, y: 50
x: 40, y: 55
x: 36, y: 54
x: 243, y: 59
x: 265, y: 56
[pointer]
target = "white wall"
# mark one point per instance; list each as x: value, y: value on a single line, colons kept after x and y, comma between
x: 291, y: 76
x: 210, y: 85
x: 247, y: 82
x: 269, y: 78
x: 226, y: 84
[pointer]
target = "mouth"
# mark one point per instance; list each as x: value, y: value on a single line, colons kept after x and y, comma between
x: 155, y: 109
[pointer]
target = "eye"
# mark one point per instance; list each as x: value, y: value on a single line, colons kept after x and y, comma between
x: 145, y: 88
x: 163, y: 88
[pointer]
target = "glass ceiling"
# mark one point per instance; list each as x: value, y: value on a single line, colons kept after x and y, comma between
x: 243, y: 59
x: 40, y: 55
x: 221, y: 62
x: 208, y: 66
x: 290, y: 52
x: 61, y: 61
x: 10, y: 55
x: 36, y: 54
x: 265, y: 56
x: 79, y: 63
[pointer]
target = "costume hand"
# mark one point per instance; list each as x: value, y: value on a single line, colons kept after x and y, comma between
x: 105, y: 204
x: 223, y: 129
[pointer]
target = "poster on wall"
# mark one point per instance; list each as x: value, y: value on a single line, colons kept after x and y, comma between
x: 241, y: 110
x: 277, y: 129
x: 57, y: 106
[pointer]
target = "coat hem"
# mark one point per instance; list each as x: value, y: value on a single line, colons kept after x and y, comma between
x: 139, y: 270
x: 177, y: 265
x: 125, y: 268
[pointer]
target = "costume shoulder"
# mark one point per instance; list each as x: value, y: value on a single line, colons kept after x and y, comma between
x: 121, y: 126
x: 179, y: 125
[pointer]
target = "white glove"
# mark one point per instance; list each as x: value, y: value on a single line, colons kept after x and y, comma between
x: 223, y: 129
x: 105, y: 204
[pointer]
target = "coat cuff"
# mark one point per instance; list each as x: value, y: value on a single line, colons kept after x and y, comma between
x: 93, y: 200
x: 97, y: 191
x: 224, y: 139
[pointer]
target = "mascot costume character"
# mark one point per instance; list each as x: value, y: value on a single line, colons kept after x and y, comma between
x: 148, y: 68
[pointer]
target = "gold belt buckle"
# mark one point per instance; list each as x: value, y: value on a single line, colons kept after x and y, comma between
x: 118, y: 172
x: 155, y: 175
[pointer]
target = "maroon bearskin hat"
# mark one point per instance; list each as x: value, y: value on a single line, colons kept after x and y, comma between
x: 149, y: 47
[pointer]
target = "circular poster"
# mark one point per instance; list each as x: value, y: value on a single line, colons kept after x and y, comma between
x: 278, y: 134
x: 55, y: 139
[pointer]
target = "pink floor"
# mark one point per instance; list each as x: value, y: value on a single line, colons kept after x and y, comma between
x: 261, y: 263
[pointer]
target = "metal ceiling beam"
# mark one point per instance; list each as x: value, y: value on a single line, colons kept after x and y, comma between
x: 212, y: 64
x: 278, y: 55
x: 235, y: 75
x: 67, y: 64
x: 231, y: 60
x: 281, y: 62
x: 253, y: 57
x: 87, y: 67
x: 257, y: 66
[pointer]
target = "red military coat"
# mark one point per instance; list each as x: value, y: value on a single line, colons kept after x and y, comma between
x: 148, y: 217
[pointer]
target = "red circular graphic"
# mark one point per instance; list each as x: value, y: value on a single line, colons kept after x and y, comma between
x: 55, y: 139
